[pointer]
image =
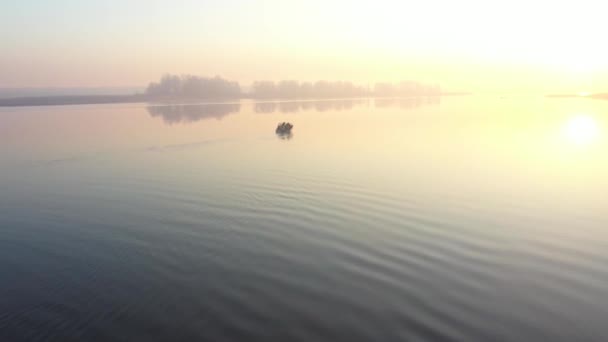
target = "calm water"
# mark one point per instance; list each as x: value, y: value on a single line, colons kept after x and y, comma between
x: 465, y: 219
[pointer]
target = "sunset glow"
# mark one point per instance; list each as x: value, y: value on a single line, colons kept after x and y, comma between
x: 307, y: 171
x: 581, y: 130
x: 469, y: 45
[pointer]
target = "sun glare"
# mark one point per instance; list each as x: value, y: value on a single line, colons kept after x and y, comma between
x: 581, y: 130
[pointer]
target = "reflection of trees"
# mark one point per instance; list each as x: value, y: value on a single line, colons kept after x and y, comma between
x: 406, y: 102
x: 345, y: 104
x: 185, y: 113
x: 308, y: 105
x: 296, y: 106
x: 323, y: 106
x: 386, y: 102
x: 265, y: 107
x: 289, y: 107
x: 190, y: 113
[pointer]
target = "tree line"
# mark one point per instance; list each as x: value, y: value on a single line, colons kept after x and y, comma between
x: 197, y: 87
x: 194, y: 87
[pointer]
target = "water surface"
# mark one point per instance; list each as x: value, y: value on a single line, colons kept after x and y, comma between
x: 453, y: 219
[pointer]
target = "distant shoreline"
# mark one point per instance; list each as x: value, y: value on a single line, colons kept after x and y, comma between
x: 63, y: 100
x: 174, y: 89
x: 68, y: 100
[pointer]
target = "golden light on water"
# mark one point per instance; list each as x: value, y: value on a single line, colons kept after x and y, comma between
x: 581, y: 130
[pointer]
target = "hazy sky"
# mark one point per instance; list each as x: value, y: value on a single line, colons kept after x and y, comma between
x: 479, y: 45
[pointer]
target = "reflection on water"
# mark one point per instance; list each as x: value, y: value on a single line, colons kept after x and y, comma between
x: 178, y: 113
x: 189, y: 113
x: 265, y: 107
x: 407, y: 102
x: 337, y: 105
x: 285, y: 136
x: 344, y: 104
x: 319, y: 106
x: 582, y: 130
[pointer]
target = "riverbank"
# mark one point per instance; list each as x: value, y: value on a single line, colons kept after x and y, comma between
x: 137, y: 98
x: 70, y: 100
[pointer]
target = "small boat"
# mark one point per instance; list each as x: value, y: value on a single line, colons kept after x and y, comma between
x: 284, y: 128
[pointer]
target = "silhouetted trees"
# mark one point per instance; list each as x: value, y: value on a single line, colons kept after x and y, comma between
x: 325, y: 89
x: 196, y: 87
x: 189, y: 86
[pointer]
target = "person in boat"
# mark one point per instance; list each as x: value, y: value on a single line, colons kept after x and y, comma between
x: 284, y: 127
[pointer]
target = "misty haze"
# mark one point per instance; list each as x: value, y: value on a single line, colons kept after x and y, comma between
x: 303, y: 171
